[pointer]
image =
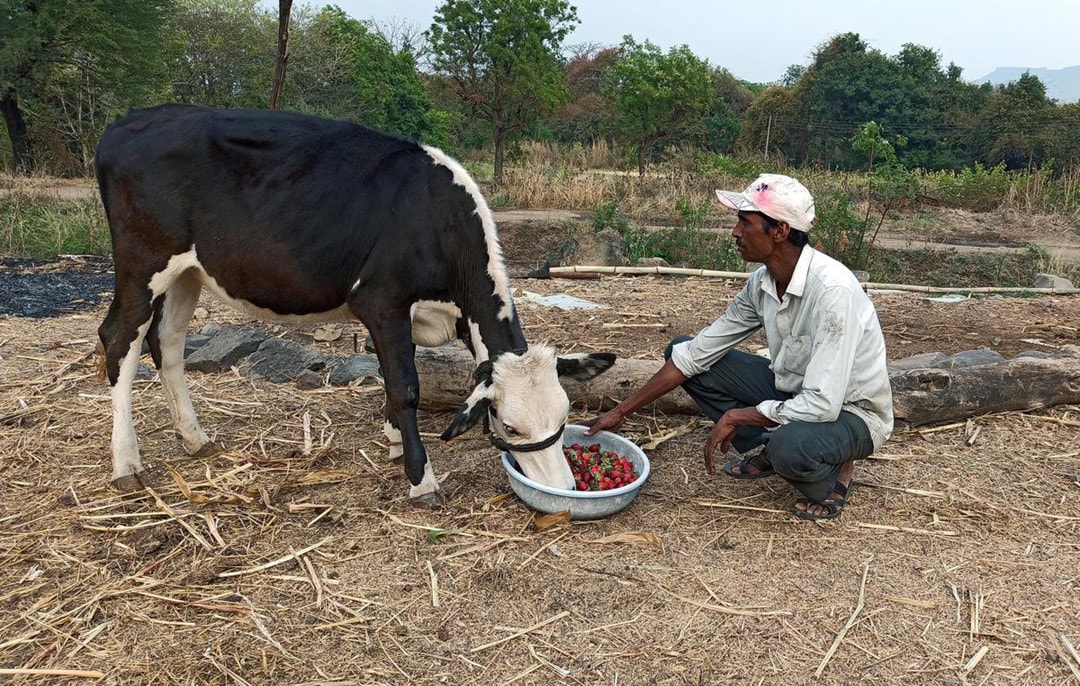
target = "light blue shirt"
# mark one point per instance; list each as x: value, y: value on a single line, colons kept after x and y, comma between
x: 825, y: 344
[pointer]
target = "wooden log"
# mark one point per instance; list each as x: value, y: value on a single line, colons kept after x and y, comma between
x: 926, y: 396
x: 920, y: 396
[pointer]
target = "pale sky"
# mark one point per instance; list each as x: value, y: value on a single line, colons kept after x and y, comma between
x: 757, y: 40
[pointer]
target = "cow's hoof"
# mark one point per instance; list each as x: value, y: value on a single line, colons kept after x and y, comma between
x: 131, y: 483
x: 207, y: 450
x: 432, y: 500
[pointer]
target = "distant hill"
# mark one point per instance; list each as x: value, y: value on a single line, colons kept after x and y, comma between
x: 1062, y: 85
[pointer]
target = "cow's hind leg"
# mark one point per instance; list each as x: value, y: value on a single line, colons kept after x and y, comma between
x: 167, y: 337
x: 121, y: 337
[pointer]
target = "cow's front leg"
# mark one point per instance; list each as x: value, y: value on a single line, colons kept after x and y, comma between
x: 395, y: 349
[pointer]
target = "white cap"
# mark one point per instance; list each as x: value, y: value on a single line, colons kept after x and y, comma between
x: 776, y: 196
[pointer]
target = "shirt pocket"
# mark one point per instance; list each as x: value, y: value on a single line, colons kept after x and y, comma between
x: 795, y: 354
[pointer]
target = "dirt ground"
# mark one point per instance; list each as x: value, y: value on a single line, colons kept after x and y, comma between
x: 954, y: 562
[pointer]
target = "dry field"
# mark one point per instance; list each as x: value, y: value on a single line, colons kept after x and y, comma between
x: 956, y: 560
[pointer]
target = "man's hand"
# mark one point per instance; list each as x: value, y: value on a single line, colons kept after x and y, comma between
x: 609, y: 421
x: 724, y: 432
x: 720, y: 435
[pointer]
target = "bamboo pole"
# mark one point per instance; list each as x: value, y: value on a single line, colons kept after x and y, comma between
x: 715, y: 274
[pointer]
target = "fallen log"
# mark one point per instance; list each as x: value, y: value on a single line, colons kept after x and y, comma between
x: 920, y: 396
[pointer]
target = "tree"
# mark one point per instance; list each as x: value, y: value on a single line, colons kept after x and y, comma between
x: 224, y: 53
x: 1012, y: 125
x: 344, y: 68
x: 502, y: 58
x: 657, y: 95
x: 106, y: 55
x: 586, y: 116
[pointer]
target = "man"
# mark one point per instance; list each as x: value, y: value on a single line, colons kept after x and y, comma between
x: 824, y: 400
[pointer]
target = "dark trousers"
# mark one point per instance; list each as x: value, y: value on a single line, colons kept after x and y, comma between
x: 807, y: 454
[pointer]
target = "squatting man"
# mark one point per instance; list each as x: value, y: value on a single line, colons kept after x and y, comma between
x: 822, y: 400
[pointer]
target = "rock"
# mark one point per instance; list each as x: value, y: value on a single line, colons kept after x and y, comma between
x: 226, y: 347
x: 1052, y: 281
x: 921, y: 361
x: 604, y: 248
x: 1034, y: 354
x: 309, y: 380
x: 652, y: 262
x: 971, y: 358
x: 860, y: 275
x: 193, y: 342
x: 280, y: 360
x: 355, y: 367
x: 143, y: 372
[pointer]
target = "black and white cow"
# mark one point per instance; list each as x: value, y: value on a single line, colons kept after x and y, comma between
x: 302, y: 219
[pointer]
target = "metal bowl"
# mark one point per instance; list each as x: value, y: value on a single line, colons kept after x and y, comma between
x: 582, y: 504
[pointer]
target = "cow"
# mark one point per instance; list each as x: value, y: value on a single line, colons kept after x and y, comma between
x: 297, y: 218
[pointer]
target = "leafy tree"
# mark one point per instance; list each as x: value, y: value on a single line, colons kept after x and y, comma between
x: 769, y: 123
x: 342, y: 67
x: 656, y: 95
x: 67, y: 67
x: 586, y: 116
x: 731, y: 98
x: 1012, y: 125
x: 224, y: 53
x: 502, y: 58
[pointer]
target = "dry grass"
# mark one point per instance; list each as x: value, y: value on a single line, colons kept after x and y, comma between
x: 955, y: 562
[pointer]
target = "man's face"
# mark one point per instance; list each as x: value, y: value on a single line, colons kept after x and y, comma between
x: 755, y: 244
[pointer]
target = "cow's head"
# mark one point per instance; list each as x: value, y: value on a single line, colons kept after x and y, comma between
x: 528, y: 407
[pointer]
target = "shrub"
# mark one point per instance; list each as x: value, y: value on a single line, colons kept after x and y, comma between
x: 34, y: 225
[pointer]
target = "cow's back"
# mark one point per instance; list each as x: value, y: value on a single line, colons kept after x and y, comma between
x: 285, y: 211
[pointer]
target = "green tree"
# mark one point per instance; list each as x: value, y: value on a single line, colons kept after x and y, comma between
x: 657, y: 95
x: 770, y: 121
x: 74, y: 65
x: 1012, y: 126
x: 587, y: 116
x: 502, y: 58
x: 342, y: 67
x: 224, y: 53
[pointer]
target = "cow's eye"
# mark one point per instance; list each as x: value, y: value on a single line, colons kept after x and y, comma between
x: 509, y: 430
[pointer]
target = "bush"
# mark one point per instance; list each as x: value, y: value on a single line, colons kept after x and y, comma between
x: 698, y: 249
x: 32, y: 225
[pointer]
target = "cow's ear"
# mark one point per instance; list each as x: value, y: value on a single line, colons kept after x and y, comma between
x: 582, y: 367
x: 472, y: 411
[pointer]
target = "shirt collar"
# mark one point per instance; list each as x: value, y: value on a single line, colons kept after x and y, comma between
x: 798, y: 277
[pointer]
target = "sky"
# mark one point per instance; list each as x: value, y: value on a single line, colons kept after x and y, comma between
x: 757, y: 41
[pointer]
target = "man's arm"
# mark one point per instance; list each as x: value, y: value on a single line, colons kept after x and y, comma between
x: 662, y: 382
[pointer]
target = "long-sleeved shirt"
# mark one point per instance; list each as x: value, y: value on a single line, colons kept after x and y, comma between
x: 825, y: 344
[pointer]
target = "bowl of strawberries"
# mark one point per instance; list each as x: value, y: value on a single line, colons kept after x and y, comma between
x: 608, y: 469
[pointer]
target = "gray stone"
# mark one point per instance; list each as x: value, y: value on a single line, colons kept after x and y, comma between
x: 193, y: 342
x: 210, y: 328
x: 921, y: 361
x: 225, y: 348
x: 1036, y: 354
x: 971, y: 358
x: 604, y: 248
x: 860, y: 275
x: 309, y: 380
x: 1052, y: 281
x: 365, y: 367
x: 652, y: 262
x: 143, y: 372
x: 280, y: 360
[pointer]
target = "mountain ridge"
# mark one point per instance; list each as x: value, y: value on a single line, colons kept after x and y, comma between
x: 1062, y: 84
